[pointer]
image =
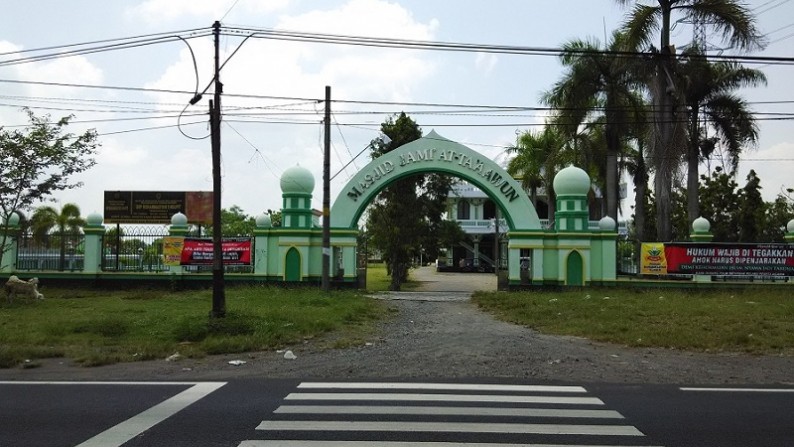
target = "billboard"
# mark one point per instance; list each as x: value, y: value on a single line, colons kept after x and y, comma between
x: 235, y: 251
x: 157, y: 207
x: 718, y: 259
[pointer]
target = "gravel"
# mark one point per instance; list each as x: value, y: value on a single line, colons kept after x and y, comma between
x: 441, y: 335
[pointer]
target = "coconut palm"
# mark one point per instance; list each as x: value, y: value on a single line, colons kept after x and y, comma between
x: 708, y: 91
x: 67, y: 221
x: 597, y: 82
x: 667, y: 142
x: 538, y: 157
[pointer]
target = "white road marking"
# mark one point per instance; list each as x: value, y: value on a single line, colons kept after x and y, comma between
x: 32, y: 382
x: 134, y: 426
x: 740, y: 390
x: 446, y: 398
x: 448, y: 411
x: 451, y: 427
x: 443, y: 386
x: 277, y: 443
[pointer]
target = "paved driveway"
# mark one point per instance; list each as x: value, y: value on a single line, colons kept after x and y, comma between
x: 432, y: 281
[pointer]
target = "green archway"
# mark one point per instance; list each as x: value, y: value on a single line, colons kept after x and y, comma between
x: 434, y: 153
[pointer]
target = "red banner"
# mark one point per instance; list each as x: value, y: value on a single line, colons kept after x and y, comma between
x: 200, y: 252
x: 730, y: 259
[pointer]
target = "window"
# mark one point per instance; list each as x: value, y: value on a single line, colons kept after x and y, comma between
x: 464, y: 210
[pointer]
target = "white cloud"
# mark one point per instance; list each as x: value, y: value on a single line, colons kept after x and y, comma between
x: 772, y: 165
x: 485, y: 62
x: 159, y: 11
x: 371, y: 18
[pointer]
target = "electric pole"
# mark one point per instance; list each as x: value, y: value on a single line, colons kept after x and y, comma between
x: 218, y: 293
x: 326, y: 280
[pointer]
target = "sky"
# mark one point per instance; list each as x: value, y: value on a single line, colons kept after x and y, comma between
x: 273, y: 89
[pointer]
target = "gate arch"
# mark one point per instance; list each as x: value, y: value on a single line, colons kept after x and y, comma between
x: 434, y: 153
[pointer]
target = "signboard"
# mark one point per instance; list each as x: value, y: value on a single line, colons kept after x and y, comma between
x: 172, y: 250
x: 157, y: 207
x: 717, y: 259
x: 235, y: 251
x: 652, y: 259
x: 730, y: 259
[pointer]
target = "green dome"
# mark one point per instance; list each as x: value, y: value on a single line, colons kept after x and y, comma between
x: 571, y: 181
x: 297, y: 180
x: 790, y: 226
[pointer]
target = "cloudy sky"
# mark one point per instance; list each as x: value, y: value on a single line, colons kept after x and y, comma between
x: 273, y: 88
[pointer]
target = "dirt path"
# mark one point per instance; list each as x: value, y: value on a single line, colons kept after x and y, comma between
x: 441, y: 334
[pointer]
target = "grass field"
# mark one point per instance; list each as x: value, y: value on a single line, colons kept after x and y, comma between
x: 378, y: 280
x: 753, y: 320
x: 99, y: 327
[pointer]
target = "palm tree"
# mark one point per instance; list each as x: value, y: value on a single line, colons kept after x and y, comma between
x: 67, y: 221
x: 707, y: 89
x: 667, y: 143
x: 538, y: 157
x: 597, y: 81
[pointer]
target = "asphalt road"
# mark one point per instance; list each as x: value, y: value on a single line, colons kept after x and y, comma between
x: 290, y: 413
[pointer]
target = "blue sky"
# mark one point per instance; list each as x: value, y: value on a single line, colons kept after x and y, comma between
x: 256, y: 153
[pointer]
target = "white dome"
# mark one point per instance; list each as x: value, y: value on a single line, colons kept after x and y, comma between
x: 179, y: 220
x: 263, y: 221
x: 701, y: 225
x: 94, y: 219
x: 607, y: 224
x: 297, y: 180
x: 571, y: 181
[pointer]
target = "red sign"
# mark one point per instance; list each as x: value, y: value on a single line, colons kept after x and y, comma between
x: 200, y: 252
x: 730, y: 259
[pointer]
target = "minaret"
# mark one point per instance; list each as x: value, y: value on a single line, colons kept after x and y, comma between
x: 297, y: 184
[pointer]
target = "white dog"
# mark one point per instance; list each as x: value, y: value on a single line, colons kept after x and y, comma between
x: 15, y: 286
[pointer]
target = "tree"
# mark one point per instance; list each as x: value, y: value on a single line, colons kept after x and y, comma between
x: 275, y: 217
x: 752, y: 210
x: 721, y: 198
x: 707, y: 89
x: 234, y: 222
x: 39, y: 160
x: 668, y: 134
x: 67, y: 222
x: 407, y: 213
x: 597, y: 81
x: 538, y: 158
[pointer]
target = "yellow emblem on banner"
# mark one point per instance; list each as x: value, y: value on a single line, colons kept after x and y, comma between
x: 652, y: 259
x: 172, y: 250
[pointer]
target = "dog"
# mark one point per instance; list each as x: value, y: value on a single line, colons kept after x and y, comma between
x: 16, y: 286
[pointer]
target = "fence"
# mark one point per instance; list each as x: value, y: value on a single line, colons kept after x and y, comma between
x: 628, y: 257
x: 125, y: 248
x: 54, y: 251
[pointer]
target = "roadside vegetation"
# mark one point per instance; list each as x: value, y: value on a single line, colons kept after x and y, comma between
x: 752, y: 320
x: 95, y: 327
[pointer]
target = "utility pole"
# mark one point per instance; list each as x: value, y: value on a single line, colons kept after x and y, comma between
x: 326, y: 280
x: 218, y: 293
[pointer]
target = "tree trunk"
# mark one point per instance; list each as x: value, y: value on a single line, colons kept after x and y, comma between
x: 693, y: 162
x: 612, y: 185
x: 640, y: 188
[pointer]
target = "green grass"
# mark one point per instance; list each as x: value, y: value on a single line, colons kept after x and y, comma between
x: 100, y: 327
x: 378, y: 280
x: 758, y: 321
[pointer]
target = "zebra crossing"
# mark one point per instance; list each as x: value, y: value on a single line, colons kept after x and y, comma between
x: 395, y: 414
